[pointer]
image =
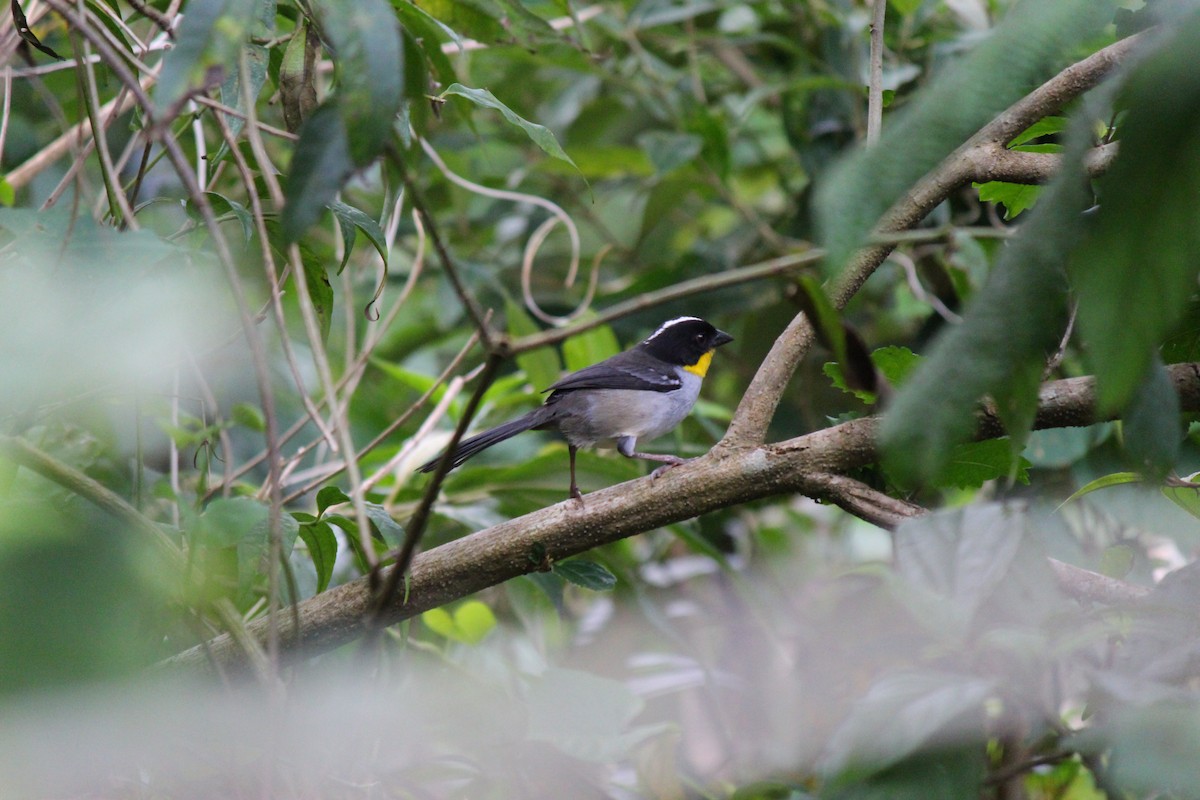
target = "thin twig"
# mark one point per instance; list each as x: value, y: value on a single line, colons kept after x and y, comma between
x: 875, y: 81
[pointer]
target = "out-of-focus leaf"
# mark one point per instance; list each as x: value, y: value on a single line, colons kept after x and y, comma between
x: 297, y: 76
x: 893, y: 362
x: 1155, y: 749
x: 321, y: 542
x: 248, y: 416
x: 590, y: 347
x: 542, y: 366
x: 972, y: 464
x: 940, y: 772
x: 367, y: 49
x: 540, y: 134
x: 242, y: 214
x: 429, y: 34
x: 1152, y: 433
x: 238, y: 86
x: 320, y: 165
x: 1103, y: 482
x: 207, y: 42
x: 669, y: 150
x: 1185, y: 497
x: 469, y: 623
x: 351, y: 220
x: 587, y: 574
x: 583, y: 715
x: 902, y: 713
x: 1129, y: 300
x: 1061, y: 447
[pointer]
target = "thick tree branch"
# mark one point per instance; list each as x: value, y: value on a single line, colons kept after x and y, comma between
x: 810, y: 463
x: 749, y: 425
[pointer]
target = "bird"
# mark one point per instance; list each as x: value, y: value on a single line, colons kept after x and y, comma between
x: 638, y: 394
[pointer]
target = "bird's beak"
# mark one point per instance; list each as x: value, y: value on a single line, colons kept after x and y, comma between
x: 721, y: 338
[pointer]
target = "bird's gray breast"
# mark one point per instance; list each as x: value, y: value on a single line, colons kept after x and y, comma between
x: 598, y: 416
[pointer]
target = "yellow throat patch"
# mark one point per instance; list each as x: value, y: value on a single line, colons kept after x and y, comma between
x: 701, y: 367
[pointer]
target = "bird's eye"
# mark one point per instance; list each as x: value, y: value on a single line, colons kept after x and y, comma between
x: 700, y: 338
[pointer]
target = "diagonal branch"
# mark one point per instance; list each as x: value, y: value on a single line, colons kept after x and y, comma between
x: 809, y: 463
x: 749, y: 425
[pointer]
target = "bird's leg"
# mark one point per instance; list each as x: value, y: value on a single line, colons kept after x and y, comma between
x: 575, y: 493
x: 625, y: 447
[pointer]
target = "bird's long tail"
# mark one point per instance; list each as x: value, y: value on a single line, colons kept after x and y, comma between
x: 482, y: 441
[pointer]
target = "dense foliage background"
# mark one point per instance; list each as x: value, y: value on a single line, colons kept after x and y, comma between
x: 316, y: 235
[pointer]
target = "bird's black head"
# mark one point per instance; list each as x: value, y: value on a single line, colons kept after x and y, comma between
x: 685, y: 341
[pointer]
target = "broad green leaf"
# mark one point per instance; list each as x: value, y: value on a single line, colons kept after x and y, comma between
x: 8, y: 195
x: 208, y: 41
x: 972, y: 464
x: 440, y: 622
x: 1185, y: 497
x: 351, y: 220
x: 320, y: 166
x: 330, y: 496
x: 468, y: 624
x: 1033, y: 41
x: 367, y: 48
x: 1130, y: 299
x: 1046, y: 126
x: 221, y: 203
x: 587, y: 574
x: 321, y: 542
x: 590, y: 347
x: 542, y: 366
x: 540, y: 134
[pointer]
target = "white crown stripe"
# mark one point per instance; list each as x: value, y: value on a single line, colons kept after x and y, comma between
x: 671, y: 322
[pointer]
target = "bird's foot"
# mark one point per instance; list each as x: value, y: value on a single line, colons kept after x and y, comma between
x: 577, y: 495
x: 674, y: 462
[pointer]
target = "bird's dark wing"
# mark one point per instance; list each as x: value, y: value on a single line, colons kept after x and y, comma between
x: 621, y: 373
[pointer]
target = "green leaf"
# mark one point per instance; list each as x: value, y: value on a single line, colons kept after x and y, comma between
x: 237, y: 86
x: 669, y: 150
x: 974, y: 463
x: 330, y: 496
x: 902, y: 712
x: 542, y: 366
x: 1147, y: 199
x: 1151, y: 432
x: 248, y: 416
x: 540, y: 134
x: 383, y: 525
x: 8, y: 195
x: 320, y: 290
x: 207, y: 43
x: 1185, y: 497
x: 894, y: 362
x: 220, y: 202
x: 320, y: 166
x: 1103, y: 482
x: 590, y: 347
x: 469, y: 623
x: 321, y: 542
x: 297, y: 76
x: 351, y: 220
x: 369, y: 60
x: 905, y: 7
x: 1046, y: 126
x: 583, y: 715
x: 1016, y: 197
x: 1032, y: 42
x: 587, y: 574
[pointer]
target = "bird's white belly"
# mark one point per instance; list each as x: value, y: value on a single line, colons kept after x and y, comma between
x: 612, y: 414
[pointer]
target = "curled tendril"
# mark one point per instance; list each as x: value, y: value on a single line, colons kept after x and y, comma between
x: 558, y: 216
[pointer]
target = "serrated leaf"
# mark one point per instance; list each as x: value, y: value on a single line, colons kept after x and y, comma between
x: 587, y: 574
x: 330, y: 496
x: 248, y: 416
x: 351, y: 220
x: 974, y: 463
x: 207, y: 41
x: 321, y: 542
x: 539, y: 134
x: 320, y: 166
x: 1016, y: 197
x: 542, y: 366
